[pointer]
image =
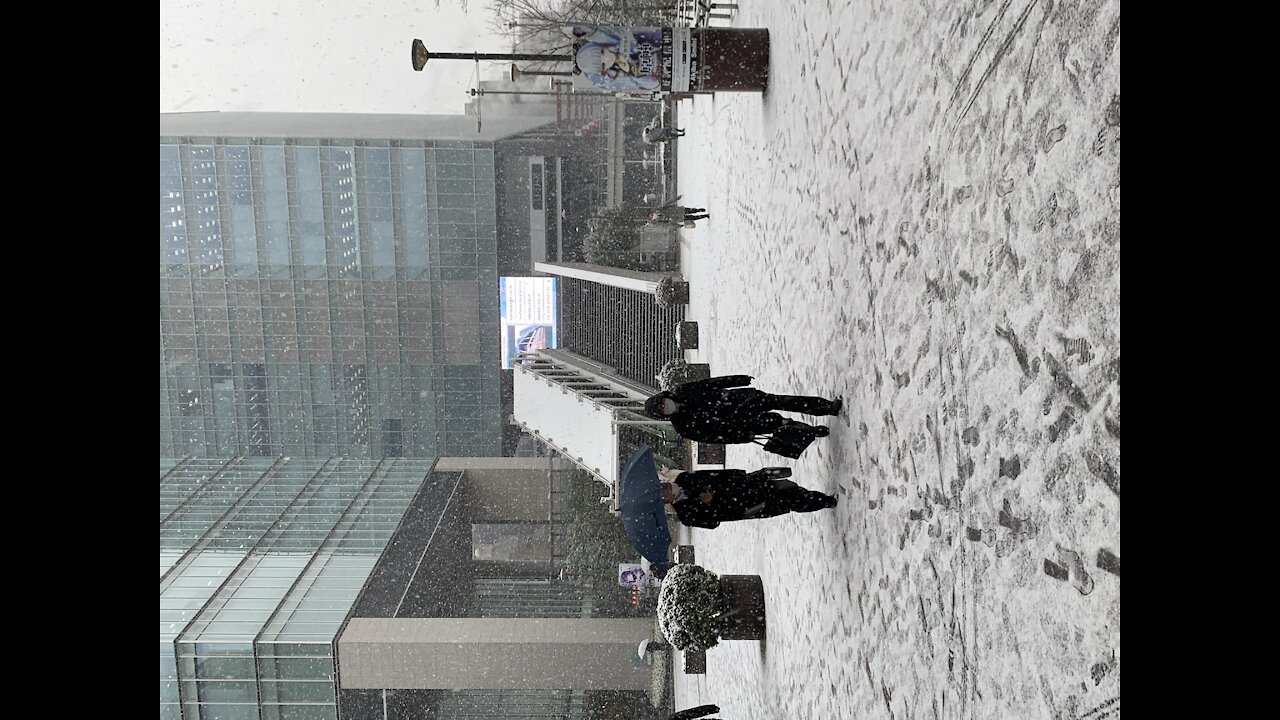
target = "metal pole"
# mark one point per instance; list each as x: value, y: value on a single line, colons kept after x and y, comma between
x: 517, y: 73
x: 474, y: 92
x: 421, y: 56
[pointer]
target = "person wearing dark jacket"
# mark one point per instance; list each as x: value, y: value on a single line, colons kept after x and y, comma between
x: 724, y: 410
x: 706, y: 498
x: 695, y: 712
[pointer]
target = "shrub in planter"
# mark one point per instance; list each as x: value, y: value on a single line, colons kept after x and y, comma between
x: 678, y: 372
x: 671, y: 291
x: 689, y: 608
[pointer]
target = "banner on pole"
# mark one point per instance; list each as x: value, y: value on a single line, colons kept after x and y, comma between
x: 633, y: 59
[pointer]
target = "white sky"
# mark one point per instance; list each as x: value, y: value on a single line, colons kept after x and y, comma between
x: 319, y: 55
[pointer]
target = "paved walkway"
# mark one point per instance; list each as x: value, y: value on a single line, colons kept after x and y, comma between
x: 922, y: 214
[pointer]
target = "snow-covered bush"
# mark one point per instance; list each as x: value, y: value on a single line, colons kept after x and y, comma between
x: 671, y: 291
x: 689, y: 608
x: 679, y: 372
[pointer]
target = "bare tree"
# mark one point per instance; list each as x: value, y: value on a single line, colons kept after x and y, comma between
x: 546, y: 24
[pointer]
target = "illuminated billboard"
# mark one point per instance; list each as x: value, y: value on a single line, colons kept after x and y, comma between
x: 527, y: 311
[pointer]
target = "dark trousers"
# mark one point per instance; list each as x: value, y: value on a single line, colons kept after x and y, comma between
x: 793, y: 498
x: 806, y: 404
x: 697, y: 712
x: 768, y: 421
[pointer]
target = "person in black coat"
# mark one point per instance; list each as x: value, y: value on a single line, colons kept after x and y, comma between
x: 695, y: 712
x: 706, y: 498
x: 724, y: 410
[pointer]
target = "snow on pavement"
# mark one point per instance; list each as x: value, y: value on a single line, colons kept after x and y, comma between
x: 923, y: 215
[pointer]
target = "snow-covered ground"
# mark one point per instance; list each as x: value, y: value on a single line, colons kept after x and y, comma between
x: 923, y: 215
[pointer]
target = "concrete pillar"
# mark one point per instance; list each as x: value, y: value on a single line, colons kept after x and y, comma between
x: 504, y: 490
x: 493, y: 653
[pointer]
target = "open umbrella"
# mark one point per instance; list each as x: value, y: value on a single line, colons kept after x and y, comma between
x: 643, y: 512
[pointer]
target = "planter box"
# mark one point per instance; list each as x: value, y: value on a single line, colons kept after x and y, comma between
x: 694, y: 663
x: 677, y: 372
x: 743, y: 606
x: 735, y: 59
x: 675, y: 291
x: 687, y: 335
x: 710, y: 454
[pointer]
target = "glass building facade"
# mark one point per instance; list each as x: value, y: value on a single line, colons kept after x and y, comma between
x: 328, y: 297
x: 261, y: 560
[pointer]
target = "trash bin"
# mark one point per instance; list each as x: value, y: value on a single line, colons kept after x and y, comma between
x: 731, y: 59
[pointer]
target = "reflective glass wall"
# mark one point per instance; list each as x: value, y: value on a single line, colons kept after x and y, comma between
x: 324, y: 297
x: 260, y: 561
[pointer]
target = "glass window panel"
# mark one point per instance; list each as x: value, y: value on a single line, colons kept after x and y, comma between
x: 455, y: 171
x: 228, y: 668
x: 379, y: 214
x: 456, y: 201
x: 297, y: 691
x: 455, y: 186
x: 458, y: 215
x: 383, y: 244
x: 228, y: 691
x: 272, y: 162
x: 457, y: 230
x: 308, y: 712
x: 458, y: 156
x: 229, y: 712
x: 296, y: 668
x: 294, y: 649
x: 313, y: 249
x: 458, y: 273
x: 461, y: 259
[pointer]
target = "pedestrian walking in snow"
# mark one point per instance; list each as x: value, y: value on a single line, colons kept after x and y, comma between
x: 672, y: 212
x: 706, y: 498
x: 678, y: 215
x: 725, y: 410
x: 655, y: 132
x: 696, y: 712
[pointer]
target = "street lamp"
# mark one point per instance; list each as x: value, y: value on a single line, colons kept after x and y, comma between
x: 421, y: 56
x: 474, y: 92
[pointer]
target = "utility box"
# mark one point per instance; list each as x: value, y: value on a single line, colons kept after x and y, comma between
x: 730, y: 59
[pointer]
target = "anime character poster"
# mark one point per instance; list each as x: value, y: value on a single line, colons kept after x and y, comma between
x: 623, y: 59
x: 634, y: 575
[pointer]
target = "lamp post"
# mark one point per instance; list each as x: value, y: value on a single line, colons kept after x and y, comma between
x: 421, y: 56
x: 474, y: 92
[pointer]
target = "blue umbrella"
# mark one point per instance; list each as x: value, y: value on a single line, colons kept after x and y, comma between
x: 643, y: 512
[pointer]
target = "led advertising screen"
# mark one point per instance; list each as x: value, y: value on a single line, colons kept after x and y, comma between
x: 527, y: 310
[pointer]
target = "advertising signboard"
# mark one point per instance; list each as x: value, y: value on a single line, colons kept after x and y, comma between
x: 527, y: 312
x: 633, y: 59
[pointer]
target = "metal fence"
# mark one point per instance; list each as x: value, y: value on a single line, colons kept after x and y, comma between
x: 626, y: 329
